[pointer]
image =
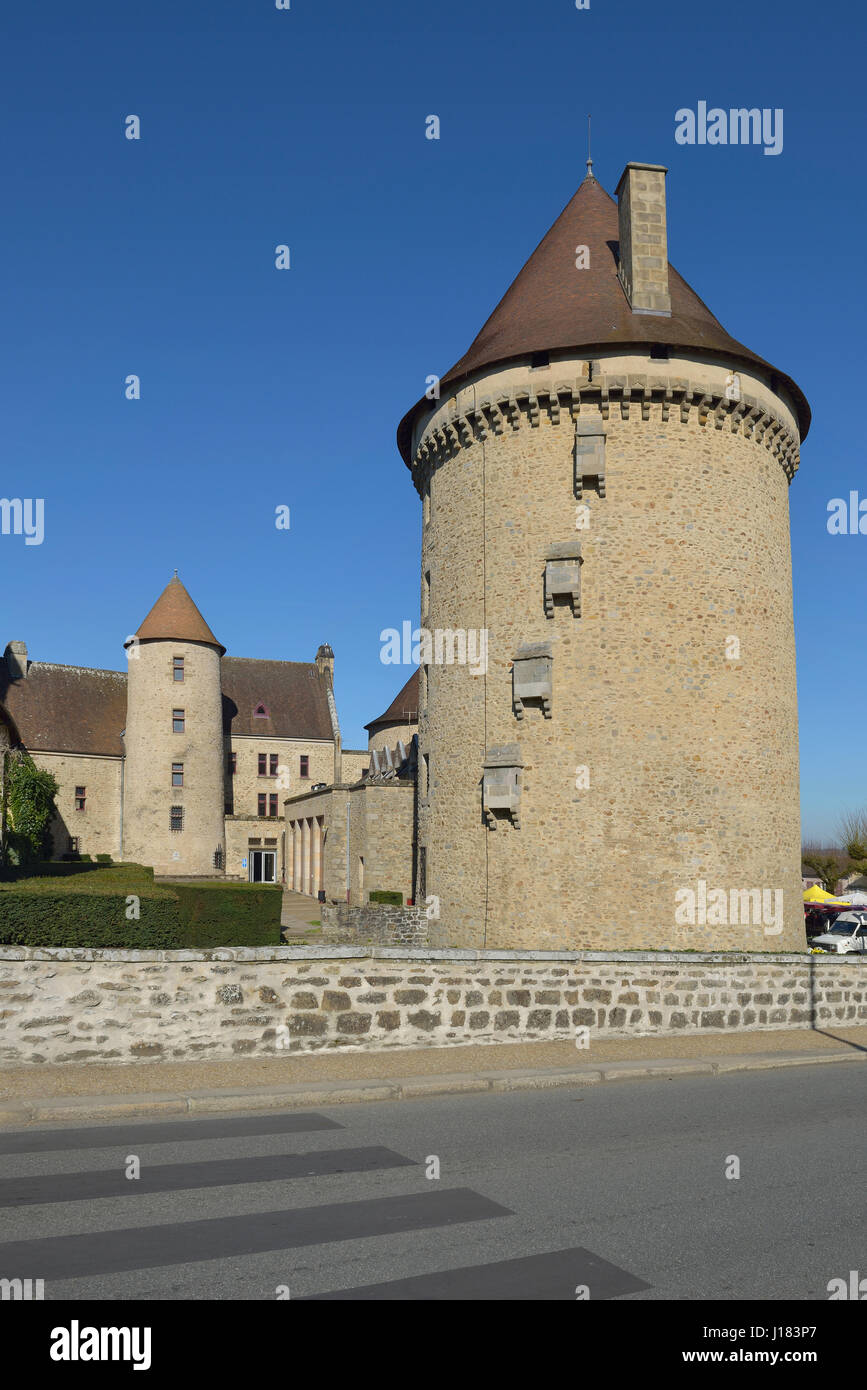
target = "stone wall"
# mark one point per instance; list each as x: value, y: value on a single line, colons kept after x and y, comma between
x: 97, y: 827
x: 669, y: 755
x: 380, y: 924
x: 125, y: 1006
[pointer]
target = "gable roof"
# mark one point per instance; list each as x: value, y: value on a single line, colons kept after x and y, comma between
x: 174, y: 617
x: 295, y: 694
x: 67, y: 709
x: 552, y: 307
x: 404, y: 702
x: 77, y: 709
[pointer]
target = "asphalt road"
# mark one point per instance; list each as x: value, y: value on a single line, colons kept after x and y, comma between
x: 619, y: 1188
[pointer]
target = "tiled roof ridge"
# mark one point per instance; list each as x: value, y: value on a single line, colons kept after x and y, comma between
x: 69, y: 666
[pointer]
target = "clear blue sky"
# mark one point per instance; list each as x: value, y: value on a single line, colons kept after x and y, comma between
x: 262, y: 388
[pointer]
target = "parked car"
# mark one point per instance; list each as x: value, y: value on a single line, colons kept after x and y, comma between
x: 848, y: 934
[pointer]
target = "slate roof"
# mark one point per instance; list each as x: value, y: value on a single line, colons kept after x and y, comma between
x: 551, y: 307
x: 405, y: 700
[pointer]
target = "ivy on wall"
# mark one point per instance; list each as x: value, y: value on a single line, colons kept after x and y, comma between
x: 30, y: 793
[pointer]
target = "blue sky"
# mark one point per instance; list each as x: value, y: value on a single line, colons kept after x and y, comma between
x: 261, y: 388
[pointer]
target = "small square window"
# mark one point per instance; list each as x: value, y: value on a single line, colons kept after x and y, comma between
x: 177, y: 774
x: 305, y: 765
x: 178, y: 721
x: 176, y: 818
x: 178, y: 668
x: 272, y: 804
x: 263, y: 764
x: 262, y: 799
x: 80, y: 798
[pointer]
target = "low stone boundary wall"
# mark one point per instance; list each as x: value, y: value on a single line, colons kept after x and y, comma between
x: 380, y: 924
x: 124, y: 1006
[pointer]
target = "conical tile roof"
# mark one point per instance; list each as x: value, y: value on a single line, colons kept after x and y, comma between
x: 175, y: 618
x: 552, y: 306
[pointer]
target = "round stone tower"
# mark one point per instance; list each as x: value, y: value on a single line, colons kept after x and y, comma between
x: 173, y: 802
x: 608, y: 724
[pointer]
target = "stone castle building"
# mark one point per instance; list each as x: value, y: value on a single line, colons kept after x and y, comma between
x: 604, y: 481
x: 183, y: 761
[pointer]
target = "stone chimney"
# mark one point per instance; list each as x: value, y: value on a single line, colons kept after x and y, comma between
x: 16, y: 660
x: 325, y: 661
x: 643, y: 238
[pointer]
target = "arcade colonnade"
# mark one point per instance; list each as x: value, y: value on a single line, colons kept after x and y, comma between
x: 305, y: 855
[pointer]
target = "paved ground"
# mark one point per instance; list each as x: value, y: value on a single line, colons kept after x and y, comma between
x: 76, y: 1093
x: 622, y: 1189
x: 298, y: 913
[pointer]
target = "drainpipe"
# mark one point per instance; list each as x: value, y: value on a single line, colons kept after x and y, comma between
x: 347, y: 848
x: 122, y: 770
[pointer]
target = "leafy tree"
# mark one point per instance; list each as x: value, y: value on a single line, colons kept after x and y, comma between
x: 30, y: 802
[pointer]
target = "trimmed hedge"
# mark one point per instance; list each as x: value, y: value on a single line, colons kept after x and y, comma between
x: 386, y: 895
x: 86, y: 905
x: 228, y: 914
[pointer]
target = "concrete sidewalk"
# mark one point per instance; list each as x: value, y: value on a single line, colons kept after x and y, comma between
x: 77, y: 1094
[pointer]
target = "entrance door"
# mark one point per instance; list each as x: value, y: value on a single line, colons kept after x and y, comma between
x: 263, y: 866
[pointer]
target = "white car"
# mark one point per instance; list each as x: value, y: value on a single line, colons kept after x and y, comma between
x: 849, y: 933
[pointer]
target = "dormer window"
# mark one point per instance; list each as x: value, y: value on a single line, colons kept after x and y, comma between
x: 261, y: 712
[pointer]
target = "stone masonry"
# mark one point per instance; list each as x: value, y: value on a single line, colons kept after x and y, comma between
x: 130, y: 1006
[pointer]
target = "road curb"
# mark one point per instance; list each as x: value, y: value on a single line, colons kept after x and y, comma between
x: 22, y: 1114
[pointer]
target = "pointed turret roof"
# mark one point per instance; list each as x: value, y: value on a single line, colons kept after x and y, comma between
x: 175, y: 618
x: 551, y: 306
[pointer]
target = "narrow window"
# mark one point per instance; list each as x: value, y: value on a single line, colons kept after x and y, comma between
x: 177, y: 721
x: 218, y: 859
x: 80, y: 797
x: 272, y: 764
x: 425, y: 594
x: 426, y: 762
x: 178, y: 667
x: 263, y: 764
x: 73, y: 844
x: 177, y: 774
x: 233, y: 764
x: 262, y: 803
x: 272, y: 804
x: 305, y: 765
x: 426, y: 505
x: 176, y: 818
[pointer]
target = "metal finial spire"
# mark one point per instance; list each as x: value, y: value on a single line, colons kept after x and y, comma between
x: 176, y: 574
x: 590, y: 174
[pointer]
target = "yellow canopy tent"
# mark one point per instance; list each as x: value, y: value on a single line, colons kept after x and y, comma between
x: 818, y: 895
